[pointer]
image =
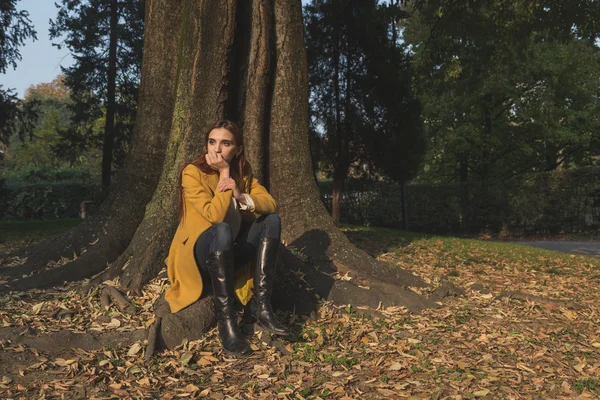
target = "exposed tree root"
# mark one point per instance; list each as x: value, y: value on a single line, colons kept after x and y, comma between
x: 153, y: 332
x: 113, y: 295
x: 91, y: 263
x: 38, y: 255
x: 444, y: 290
x: 548, y: 302
x: 55, y: 342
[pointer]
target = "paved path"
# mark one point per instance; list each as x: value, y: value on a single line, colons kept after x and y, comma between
x: 585, y: 248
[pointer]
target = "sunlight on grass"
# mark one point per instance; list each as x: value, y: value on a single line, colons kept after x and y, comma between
x: 447, y: 251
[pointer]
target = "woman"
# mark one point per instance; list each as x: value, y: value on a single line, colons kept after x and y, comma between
x: 218, y: 201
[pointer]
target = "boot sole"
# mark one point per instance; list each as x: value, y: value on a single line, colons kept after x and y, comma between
x: 236, y: 355
x: 271, y: 330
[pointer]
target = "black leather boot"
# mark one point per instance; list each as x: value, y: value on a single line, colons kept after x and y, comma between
x: 220, y: 266
x: 264, y: 274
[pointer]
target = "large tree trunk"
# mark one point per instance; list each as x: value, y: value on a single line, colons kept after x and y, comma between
x: 257, y: 92
x: 269, y: 96
x: 105, y: 236
x: 202, y: 88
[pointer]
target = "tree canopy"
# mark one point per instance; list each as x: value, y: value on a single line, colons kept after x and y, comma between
x: 106, y: 42
x: 504, y: 87
x: 15, y: 29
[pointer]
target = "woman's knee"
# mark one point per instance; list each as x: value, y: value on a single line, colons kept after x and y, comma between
x: 273, y: 219
x: 272, y: 224
x: 223, y: 235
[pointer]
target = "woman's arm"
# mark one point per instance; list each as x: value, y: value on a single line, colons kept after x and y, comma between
x: 264, y: 203
x: 213, y: 208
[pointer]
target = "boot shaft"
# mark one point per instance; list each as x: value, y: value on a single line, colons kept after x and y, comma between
x: 220, y: 267
x: 266, y: 261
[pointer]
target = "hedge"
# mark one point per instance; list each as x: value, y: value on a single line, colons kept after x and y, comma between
x: 45, y: 200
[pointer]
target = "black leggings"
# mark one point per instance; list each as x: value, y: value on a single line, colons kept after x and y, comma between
x: 219, y: 238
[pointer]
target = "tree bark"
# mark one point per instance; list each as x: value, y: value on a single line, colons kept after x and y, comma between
x: 257, y: 99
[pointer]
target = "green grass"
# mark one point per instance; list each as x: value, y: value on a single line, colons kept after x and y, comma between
x: 469, y: 252
x: 31, y: 230
x: 591, y: 384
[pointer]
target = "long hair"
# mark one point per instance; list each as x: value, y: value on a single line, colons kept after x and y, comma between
x: 236, y: 167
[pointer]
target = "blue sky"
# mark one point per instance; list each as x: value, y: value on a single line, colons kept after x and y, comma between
x: 41, y: 61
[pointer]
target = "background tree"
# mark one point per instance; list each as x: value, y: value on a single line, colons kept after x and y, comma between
x: 44, y: 137
x: 497, y: 83
x: 106, y: 41
x: 9, y: 114
x: 15, y: 28
x: 361, y: 99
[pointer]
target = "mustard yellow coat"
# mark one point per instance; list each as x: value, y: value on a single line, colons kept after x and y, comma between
x: 203, y: 207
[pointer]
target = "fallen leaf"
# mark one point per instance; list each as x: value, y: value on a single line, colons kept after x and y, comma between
x: 134, y: 349
x: 579, y: 367
x: 37, y: 308
x: 115, y: 323
x: 204, y: 361
x: 144, y: 382
x: 191, y: 388
x: 396, y: 366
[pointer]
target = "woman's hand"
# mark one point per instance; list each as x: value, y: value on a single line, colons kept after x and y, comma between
x: 229, y: 184
x: 216, y: 161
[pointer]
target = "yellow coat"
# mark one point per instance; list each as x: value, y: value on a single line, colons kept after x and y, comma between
x: 203, y: 207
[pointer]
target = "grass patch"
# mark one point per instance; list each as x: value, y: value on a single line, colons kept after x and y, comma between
x: 339, y: 360
x: 35, y: 229
x: 450, y: 252
x: 591, y: 384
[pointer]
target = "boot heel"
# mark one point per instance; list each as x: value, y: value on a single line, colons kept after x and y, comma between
x: 247, y: 325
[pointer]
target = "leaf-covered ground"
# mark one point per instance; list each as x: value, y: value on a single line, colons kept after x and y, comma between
x: 479, y: 345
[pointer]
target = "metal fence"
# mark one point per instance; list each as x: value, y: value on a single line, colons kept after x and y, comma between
x: 553, y: 202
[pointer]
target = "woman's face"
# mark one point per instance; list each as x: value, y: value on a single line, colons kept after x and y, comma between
x: 221, y: 141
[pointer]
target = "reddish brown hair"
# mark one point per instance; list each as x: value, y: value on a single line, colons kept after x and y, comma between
x: 237, y: 164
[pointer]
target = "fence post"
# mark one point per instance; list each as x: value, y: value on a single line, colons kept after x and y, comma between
x: 404, y: 208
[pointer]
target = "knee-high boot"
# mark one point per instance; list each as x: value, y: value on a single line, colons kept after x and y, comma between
x: 220, y: 266
x: 264, y: 274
